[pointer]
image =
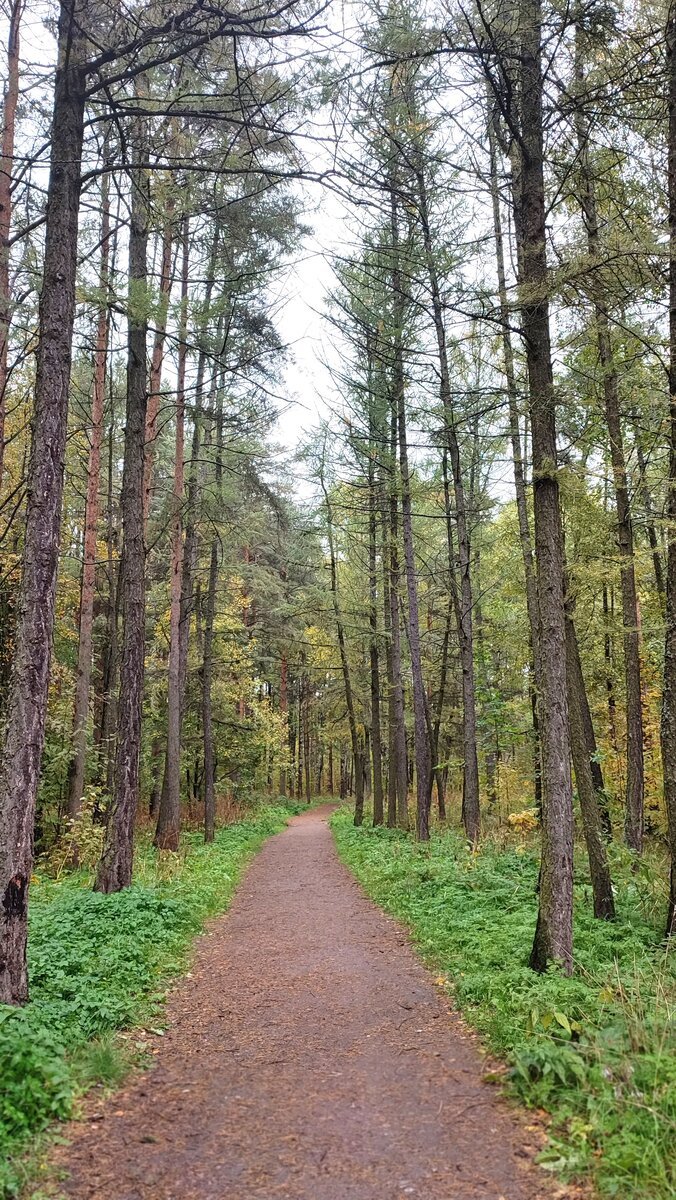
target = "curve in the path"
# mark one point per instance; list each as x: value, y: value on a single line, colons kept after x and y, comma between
x: 309, y: 1057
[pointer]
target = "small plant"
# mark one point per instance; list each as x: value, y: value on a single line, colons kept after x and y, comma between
x: 103, y: 1061
x: 524, y: 822
x: 82, y: 841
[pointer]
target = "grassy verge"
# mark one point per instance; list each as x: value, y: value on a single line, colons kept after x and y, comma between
x: 100, y: 964
x: 596, y: 1051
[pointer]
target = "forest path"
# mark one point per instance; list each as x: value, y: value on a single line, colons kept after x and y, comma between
x: 309, y: 1057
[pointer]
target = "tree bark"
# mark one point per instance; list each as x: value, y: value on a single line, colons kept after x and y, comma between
x: 207, y: 716
x: 633, y: 823
x: 345, y: 667
x: 668, y: 723
x: 554, y: 934
x: 397, y: 802
x: 109, y: 705
x: 471, y: 813
x: 24, y: 736
x: 10, y: 101
x: 517, y: 458
x: 422, y: 746
x: 653, y: 541
x: 374, y: 649
x: 602, y: 888
x: 284, y: 712
x: 88, y: 584
x: 116, y: 864
x: 169, y: 817
x: 155, y: 383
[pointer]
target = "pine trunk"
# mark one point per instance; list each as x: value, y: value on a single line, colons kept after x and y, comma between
x: 633, y: 823
x: 668, y: 725
x: 602, y: 888
x: 207, y: 716
x: 27, y: 709
x: 554, y: 934
x: 471, y: 813
x: 87, y: 590
x: 169, y: 818
x: 116, y: 864
x: 10, y: 101
x: 155, y: 382
x: 422, y: 746
x: 345, y: 667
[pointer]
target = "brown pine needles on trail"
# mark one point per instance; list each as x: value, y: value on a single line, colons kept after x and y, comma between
x: 308, y: 1057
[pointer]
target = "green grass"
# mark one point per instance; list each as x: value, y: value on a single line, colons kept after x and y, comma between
x: 598, y: 1050
x: 102, y: 963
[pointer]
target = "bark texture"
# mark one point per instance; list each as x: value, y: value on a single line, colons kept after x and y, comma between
x: 471, y: 813
x: 668, y: 724
x: 602, y: 888
x: 169, y: 818
x: 10, y: 101
x: 357, y: 756
x: 633, y: 823
x: 116, y: 864
x: 554, y: 933
x: 24, y: 737
x: 88, y: 584
x: 423, y: 762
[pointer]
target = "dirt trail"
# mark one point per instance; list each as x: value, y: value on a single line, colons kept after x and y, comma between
x: 309, y: 1057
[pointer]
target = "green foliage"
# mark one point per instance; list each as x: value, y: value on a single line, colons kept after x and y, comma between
x: 101, y: 1061
x: 597, y: 1050
x: 99, y: 964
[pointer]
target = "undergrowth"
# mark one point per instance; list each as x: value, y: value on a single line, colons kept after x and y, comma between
x: 597, y: 1051
x: 102, y: 963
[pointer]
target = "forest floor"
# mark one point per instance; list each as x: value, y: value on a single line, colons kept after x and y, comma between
x: 309, y: 1056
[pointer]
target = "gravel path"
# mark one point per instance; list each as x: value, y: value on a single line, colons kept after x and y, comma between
x: 309, y: 1057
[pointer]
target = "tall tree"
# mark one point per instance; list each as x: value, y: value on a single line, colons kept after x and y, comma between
x: 115, y: 867
x: 88, y: 584
x: 9, y: 106
x: 633, y: 824
x: 668, y: 727
x: 24, y: 736
x: 168, y: 822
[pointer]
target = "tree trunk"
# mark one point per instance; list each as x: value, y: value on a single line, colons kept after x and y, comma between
x: 109, y: 706
x: 345, y: 666
x: 633, y: 824
x: 169, y: 818
x: 668, y: 724
x: 517, y: 459
x: 602, y: 888
x: 653, y: 542
x: 115, y: 867
x: 284, y: 712
x: 155, y: 384
x: 374, y: 650
x: 25, y: 731
x: 554, y: 934
x: 191, y: 500
x: 84, y: 661
x: 207, y: 679
x: 10, y: 101
x: 422, y: 746
x: 397, y: 802
x: 471, y: 814
x: 306, y: 741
